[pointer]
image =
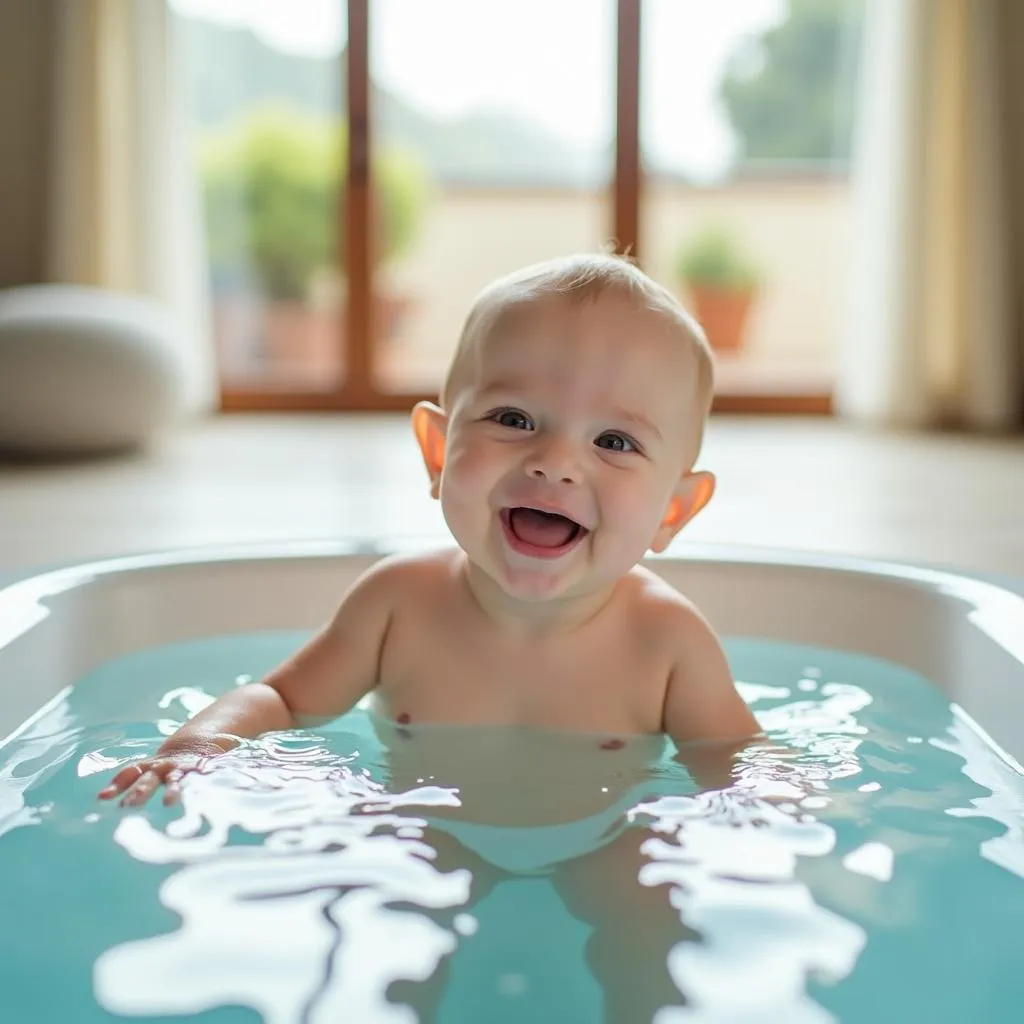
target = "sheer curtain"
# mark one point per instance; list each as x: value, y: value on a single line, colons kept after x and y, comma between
x: 930, y: 337
x: 125, y: 210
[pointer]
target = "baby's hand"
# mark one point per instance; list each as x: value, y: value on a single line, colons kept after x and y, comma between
x: 139, y: 781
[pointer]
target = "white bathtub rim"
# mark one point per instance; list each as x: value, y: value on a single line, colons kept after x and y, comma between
x: 79, y: 572
x: 21, y: 600
x: 995, y: 610
x: 998, y: 612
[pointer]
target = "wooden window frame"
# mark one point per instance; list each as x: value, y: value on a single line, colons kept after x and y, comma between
x: 360, y: 389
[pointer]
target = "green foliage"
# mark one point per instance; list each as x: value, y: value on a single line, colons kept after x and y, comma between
x: 401, y: 190
x: 791, y: 96
x: 713, y: 258
x: 272, y: 182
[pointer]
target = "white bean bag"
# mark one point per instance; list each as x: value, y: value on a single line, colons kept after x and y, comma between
x: 84, y: 370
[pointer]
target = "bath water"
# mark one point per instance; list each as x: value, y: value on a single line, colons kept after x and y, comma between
x: 874, y: 872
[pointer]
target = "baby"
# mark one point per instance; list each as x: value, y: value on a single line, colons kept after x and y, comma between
x: 562, y: 451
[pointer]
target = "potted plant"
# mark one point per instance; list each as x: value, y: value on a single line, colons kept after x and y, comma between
x: 722, y: 284
x: 273, y: 187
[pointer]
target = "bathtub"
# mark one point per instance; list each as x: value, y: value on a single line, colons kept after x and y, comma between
x: 965, y: 635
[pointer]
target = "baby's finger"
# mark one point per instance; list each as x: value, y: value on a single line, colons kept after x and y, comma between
x: 126, y: 777
x: 172, y: 782
x: 172, y: 790
x: 142, y: 790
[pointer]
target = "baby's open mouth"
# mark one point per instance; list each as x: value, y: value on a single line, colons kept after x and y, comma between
x: 534, y: 529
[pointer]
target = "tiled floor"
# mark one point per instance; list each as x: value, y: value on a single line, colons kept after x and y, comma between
x: 812, y: 485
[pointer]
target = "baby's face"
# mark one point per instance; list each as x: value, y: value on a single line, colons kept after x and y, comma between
x: 583, y: 412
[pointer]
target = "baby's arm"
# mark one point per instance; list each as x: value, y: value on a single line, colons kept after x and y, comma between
x: 321, y: 681
x: 703, y: 712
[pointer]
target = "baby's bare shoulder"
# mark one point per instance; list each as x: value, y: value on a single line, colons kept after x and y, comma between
x: 657, y: 609
x: 405, y: 575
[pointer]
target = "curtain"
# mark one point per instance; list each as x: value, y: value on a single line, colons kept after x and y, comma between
x: 930, y: 336
x: 125, y: 209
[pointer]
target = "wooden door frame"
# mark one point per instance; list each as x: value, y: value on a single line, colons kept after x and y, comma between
x: 360, y: 389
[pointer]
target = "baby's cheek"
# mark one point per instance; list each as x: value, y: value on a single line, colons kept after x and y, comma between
x: 461, y: 464
x: 637, y: 513
x: 470, y: 475
x: 463, y: 497
x: 635, y: 524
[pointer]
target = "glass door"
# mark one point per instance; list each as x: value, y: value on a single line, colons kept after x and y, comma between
x: 366, y: 167
x: 266, y: 100
x: 493, y: 130
x: 745, y: 125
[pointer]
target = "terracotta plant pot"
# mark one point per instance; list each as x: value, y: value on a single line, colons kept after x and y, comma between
x: 290, y: 339
x: 723, y: 313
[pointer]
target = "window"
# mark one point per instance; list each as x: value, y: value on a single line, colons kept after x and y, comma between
x: 265, y: 95
x: 484, y: 161
x: 711, y: 140
x: 746, y: 123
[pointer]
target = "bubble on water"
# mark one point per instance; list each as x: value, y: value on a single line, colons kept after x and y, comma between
x: 872, y: 859
x: 465, y: 924
x: 753, y: 692
x: 191, y: 699
x: 95, y: 761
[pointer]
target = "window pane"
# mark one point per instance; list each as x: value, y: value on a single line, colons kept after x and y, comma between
x: 745, y: 132
x: 265, y: 100
x: 493, y: 125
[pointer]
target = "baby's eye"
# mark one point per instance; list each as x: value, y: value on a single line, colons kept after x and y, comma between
x: 616, y: 442
x: 512, y: 418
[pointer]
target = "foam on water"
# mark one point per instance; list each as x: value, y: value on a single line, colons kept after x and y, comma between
x: 873, y: 871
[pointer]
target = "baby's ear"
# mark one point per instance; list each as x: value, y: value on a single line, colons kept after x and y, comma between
x: 430, y: 424
x: 692, y: 493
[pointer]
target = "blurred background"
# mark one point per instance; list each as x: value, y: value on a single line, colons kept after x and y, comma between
x: 239, y: 238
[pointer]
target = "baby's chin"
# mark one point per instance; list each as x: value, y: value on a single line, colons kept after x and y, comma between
x: 538, y: 581
x: 534, y: 590
x: 524, y: 583
x: 544, y: 586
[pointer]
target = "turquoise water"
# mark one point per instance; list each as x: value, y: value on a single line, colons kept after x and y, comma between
x: 873, y: 874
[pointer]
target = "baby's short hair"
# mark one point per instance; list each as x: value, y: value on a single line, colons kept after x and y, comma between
x: 580, y: 278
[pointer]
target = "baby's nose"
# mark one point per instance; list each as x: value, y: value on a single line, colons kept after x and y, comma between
x: 555, y: 462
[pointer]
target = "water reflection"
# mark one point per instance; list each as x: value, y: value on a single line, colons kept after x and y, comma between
x: 266, y: 924
x: 308, y: 889
x: 311, y: 889
x: 1003, y: 799
x: 837, y: 876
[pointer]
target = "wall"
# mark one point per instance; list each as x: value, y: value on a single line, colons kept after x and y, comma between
x: 1012, y: 59
x: 26, y: 28
x: 798, y: 231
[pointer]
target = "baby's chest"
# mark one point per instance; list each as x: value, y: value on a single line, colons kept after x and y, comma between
x: 607, y: 684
